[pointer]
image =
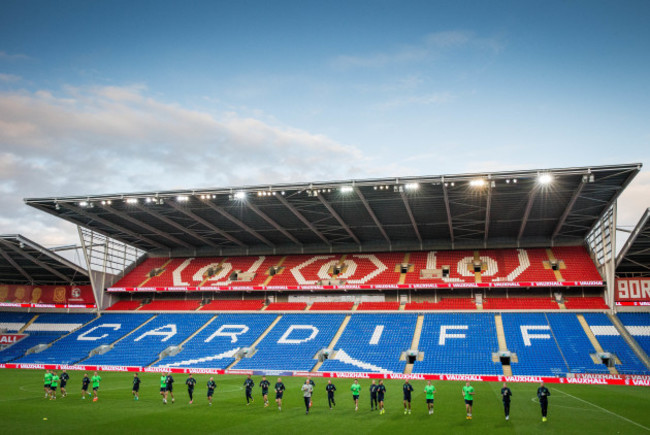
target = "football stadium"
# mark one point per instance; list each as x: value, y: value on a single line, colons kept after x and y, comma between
x: 484, y: 285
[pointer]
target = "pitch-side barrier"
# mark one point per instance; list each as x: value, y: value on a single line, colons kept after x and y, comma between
x: 580, y: 378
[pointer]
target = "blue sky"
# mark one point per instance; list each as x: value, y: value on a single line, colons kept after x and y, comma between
x: 100, y: 97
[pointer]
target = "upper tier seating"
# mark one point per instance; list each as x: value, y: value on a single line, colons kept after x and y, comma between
x: 144, y: 346
x: 233, y: 305
x: 124, y: 306
x: 378, y: 269
x: 459, y: 343
x: 286, y: 306
x: 171, y: 305
x: 450, y: 304
x: 588, y: 303
x: 76, y: 346
x: 13, y: 322
x: 331, y: 306
x: 638, y: 325
x: 378, y: 306
x: 372, y: 343
x: 293, y: 343
x: 491, y: 303
x: 217, y: 344
x: 611, y: 341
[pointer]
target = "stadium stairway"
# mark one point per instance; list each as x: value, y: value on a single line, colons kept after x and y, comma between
x: 27, y: 325
x: 638, y: 350
x: 594, y: 341
x: 334, y: 340
x: 256, y: 342
x: 181, y: 344
x: 503, y: 345
x: 415, y: 342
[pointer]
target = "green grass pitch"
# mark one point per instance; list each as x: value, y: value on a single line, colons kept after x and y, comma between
x: 572, y: 408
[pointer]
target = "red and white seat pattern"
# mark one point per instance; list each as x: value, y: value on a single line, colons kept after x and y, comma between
x: 537, y: 267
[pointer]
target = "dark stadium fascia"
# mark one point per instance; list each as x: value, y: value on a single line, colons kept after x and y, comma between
x: 586, y: 194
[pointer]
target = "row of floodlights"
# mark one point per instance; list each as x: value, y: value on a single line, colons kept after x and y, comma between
x: 542, y: 178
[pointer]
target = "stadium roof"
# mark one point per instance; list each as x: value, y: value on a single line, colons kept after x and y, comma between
x: 25, y: 262
x: 490, y: 209
x: 634, y: 258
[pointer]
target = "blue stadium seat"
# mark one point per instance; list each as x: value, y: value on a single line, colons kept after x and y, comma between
x: 458, y: 343
x: 12, y: 322
x: 293, y: 342
x: 215, y: 346
x: 638, y: 325
x: 76, y: 346
x: 144, y: 346
x: 373, y: 343
x: 611, y: 341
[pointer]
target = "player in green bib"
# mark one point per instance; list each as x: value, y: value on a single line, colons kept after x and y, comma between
x: 53, y: 385
x: 355, y: 388
x: 95, y: 380
x: 47, y: 382
x: 163, y: 388
x: 468, y: 395
x: 429, y: 391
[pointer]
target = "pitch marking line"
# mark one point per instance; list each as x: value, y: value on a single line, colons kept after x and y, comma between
x: 606, y: 410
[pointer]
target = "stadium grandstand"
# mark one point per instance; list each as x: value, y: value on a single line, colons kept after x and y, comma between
x: 495, y: 274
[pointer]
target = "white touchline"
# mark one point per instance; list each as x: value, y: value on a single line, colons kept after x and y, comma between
x: 603, y: 409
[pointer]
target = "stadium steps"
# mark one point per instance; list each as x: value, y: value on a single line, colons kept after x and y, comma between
x: 551, y: 257
x: 187, y: 339
x: 402, y: 276
x: 164, y: 270
x: 268, y: 280
x: 256, y: 342
x: 26, y: 325
x: 594, y: 340
x: 334, y: 340
x: 503, y: 345
x: 638, y: 350
x: 408, y: 369
x: 121, y: 338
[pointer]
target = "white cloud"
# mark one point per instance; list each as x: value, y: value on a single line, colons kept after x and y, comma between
x: 119, y: 139
x: 4, y: 56
x: 9, y: 78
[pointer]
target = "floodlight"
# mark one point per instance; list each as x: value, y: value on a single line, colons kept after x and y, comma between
x: 479, y: 182
x: 240, y: 195
x: 131, y: 200
x: 182, y: 198
x: 544, y: 178
x: 346, y: 189
x: 411, y: 186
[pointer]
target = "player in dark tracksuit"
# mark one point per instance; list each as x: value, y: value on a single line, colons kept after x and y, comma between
x: 170, y: 385
x: 407, y: 389
x: 373, y: 396
x: 330, y: 393
x: 190, y: 382
x: 85, y: 383
x: 135, y: 390
x: 264, y: 385
x: 542, y: 395
x: 381, y: 390
x: 505, y: 396
x: 249, y: 384
x: 64, y: 381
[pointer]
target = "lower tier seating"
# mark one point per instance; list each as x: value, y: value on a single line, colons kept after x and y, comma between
x: 588, y: 303
x: 233, y: 305
x: 171, y: 305
x: 331, y: 306
x: 542, y: 343
x: 378, y: 306
x: 286, y: 306
x: 520, y: 304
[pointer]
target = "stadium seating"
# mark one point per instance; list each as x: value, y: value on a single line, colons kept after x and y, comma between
x: 378, y: 306
x: 144, y: 346
x: 124, y: 306
x: 76, y: 346
x: 286, y: 306
x: 216, y: 345
x: 574, y: 343
x: 13, y: 322
x: 611, y: 341
x: 587, y: 303
x: 233, y: 305
x: 18, y: 349
x: 171, y: 305
x: 331, y: 306
x: 448, y: 304
x: 293, y: 343
x: 520, y: 304
x: 638, y: 325
x: 378, y: 269
x: 460, y: 343
x: 373, y: 343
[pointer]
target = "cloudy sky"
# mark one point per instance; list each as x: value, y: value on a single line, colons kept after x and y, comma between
x: 117, y: 96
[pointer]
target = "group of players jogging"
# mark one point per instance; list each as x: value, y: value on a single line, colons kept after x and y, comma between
x: 377, y: 392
